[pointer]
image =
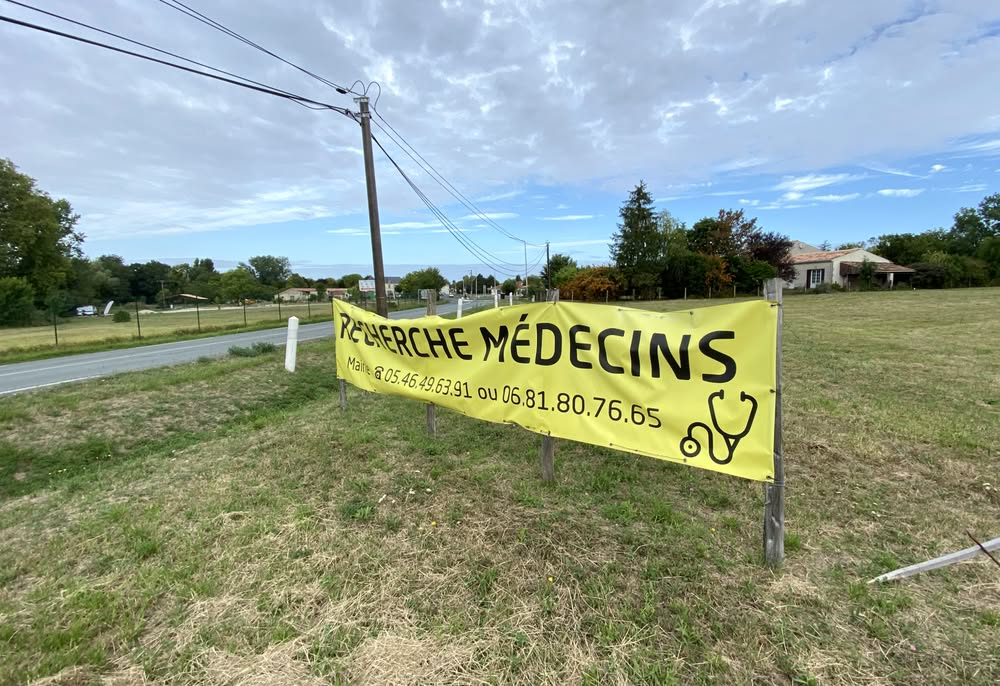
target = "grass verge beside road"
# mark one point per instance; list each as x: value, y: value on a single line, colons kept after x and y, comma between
x: 225, y: 522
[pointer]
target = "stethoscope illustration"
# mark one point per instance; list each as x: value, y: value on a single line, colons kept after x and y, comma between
x: 690, y: 447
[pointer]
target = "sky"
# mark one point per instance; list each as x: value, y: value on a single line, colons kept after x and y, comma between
x: 828, y: 121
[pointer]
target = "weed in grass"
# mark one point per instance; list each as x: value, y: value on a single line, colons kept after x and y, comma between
x: 357, y: 510
x: 793, y: 543
x: 623, y: 513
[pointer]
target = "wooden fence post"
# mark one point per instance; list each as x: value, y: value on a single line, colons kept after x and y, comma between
x: 431, y: 409
x: 547, y: 454
x: 774, y: 492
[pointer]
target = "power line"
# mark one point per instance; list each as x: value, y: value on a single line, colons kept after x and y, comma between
x: 153, y: 48
x: 218, y: 26
x: 471, y: 246
x: 441, y: 180
x: 404, y: 145
x: 243, y: 84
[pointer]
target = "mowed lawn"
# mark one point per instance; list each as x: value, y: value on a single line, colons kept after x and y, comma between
x: 77, y: 330
x: 226, y: 523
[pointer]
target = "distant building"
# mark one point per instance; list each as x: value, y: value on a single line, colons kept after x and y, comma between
x: 842, y: 267
x: 296, y: 294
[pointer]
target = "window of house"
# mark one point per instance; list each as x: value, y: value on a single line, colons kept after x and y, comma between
x: 814, y: 277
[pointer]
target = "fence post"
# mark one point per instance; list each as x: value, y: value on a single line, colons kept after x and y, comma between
x: 458, y: 314
x: 292, y: 343
x: 547, y: 454
x: 197, y: 312
x: 137, y: 324
x: 244, y: 301
x: 774, y: 493
x: 431, y: 409
x: 55, y: 326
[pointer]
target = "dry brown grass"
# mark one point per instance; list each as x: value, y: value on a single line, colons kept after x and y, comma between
x: 314, y: 546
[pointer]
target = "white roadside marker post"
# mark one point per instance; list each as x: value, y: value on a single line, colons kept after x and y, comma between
x: 292, y: 343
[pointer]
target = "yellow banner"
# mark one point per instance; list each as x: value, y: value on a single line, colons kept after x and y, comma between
x: 695, y: 386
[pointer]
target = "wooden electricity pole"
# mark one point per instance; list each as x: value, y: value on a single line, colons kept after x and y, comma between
x: 381, y: 304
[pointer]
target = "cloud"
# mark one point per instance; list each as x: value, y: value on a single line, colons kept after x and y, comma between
x: 792, y: 195
x: 410, y: 225
x: 810, y: 182
x: 169, y: 153
x: 350, y: 232
x: 749, y: 203
x: 837, y: 198
x: 500, y: 196
x: 935, y: 168
x: 900, y: 192
x: 568, y: 218
x: 969, y: 188
x: 491, y: 215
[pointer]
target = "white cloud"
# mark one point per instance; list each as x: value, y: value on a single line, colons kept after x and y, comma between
x: 491, y: 215
x: 812, y: 181
x: 349, y: 232
x: 500, y: 196
x: 935, y: 168
x: 568, y: 218
x: 970, y: 188
x: 900, y: 192
x: 749, y: 203
x: 792, y: 195
x: 837, y: 198
x: 410, y: 225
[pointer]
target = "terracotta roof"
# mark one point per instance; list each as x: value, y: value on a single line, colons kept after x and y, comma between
x: 881, y: 267
x: 823, y: 256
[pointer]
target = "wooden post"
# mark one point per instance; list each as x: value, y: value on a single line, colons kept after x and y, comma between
x: 547, y: 453
x: 548, y: 459
x: 774, y: 492
x: 137, y: 324
x: 431, y: 409
x: 343, y: 394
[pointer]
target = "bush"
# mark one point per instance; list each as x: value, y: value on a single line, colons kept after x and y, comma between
x: 17, y: 301
x: 121, y: 316
x: 259, y: 348
x: 593, y: 284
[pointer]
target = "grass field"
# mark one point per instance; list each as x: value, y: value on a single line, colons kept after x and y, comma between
x: 225, y: 523
x: 88, y: 334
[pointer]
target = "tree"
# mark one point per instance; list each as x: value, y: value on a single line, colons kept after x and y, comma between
x: 111, y: 278
x: 269, y: 270
x: 297, y: 281
x: 866, y: 274
x: 37, y: 235
x: 851, y: 246
x: 989, y: 252
x: 637, y: 245
x: 429, y: 278
x: 594, y: 284
x: 349, y: 280
x: 556, y: 262
x: 240, y: 283
x: 17, y: 301
x: 564, y: 275
x: 908, y: 248
x: 145, y: 279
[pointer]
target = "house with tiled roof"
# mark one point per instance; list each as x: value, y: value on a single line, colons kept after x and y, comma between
x: 815, y: 267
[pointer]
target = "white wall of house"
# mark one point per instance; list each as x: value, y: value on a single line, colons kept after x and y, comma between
x: 831, y: 268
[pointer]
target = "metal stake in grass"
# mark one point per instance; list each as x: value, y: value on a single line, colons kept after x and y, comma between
x: 431, y: 410
x: 774, y: 493
x: 137, y: 324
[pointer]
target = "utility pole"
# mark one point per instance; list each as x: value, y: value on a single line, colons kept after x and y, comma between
x: 381, y: 306
x: 525, y: 268
x: 548, y: 269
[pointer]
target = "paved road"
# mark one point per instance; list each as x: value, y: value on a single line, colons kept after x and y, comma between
x: 27, y: 376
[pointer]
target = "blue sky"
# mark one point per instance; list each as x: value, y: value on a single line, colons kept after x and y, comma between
x: 827, y: 121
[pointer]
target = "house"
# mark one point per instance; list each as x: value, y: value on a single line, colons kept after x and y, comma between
x: 296, y: 294
x: 841, y: 267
